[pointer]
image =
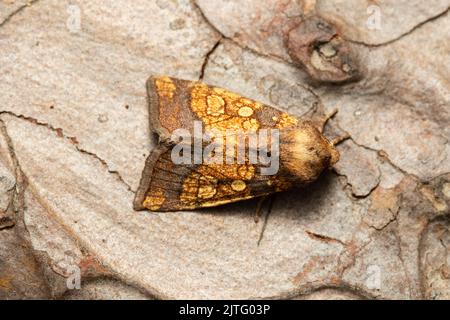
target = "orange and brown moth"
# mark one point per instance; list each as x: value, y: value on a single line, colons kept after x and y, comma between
x: 174, y: 104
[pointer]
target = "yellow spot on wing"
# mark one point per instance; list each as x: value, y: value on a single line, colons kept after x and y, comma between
x: 247, y: 172
x: 250, y: 125
x: 238, y: 185
x: 222, y: 110
x: 245, y: 111
x: 197, y: 185
x: 216, y: 105
x: 155, y: 200
x: 286, y: 120
x: 206, y: 191
x: 165, y: 87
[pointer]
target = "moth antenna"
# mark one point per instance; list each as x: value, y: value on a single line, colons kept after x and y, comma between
x: 340, y: 139
x: 327, y: 117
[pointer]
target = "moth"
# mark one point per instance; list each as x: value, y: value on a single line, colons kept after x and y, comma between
x: 177, y: 105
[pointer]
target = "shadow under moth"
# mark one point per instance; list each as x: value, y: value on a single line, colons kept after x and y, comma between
x: 233, y: 169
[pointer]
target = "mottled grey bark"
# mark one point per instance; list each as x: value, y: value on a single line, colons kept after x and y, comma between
x: 75, y: 137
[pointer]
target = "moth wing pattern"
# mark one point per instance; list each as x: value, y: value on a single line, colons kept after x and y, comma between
x: 166, y: 186
x: 176, y: 104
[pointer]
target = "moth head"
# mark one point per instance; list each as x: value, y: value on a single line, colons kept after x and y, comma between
x: 305, y: 152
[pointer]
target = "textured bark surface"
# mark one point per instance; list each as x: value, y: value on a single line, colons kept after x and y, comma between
x: 74, y: 137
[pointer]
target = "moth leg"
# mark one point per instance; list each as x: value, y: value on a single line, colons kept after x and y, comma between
x: 340, y: 139
x: 323, y: 121
x: 259, y: 206
x: 269, y: 210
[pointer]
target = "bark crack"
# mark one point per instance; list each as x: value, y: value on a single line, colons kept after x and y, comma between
x: 389, y: 222
x: 17, y: 203
x: 324, y: 238
x: 18, y: 206
x: 317, y: 286
x: 18, y: 10
x: 240, y: 45
x: 400, y: 256
x: 410, y: 31
x: 349, y: 186
x: 353, y: 255
x: 281, y: 59
x: 73, y: 140
x: 384, y: 155
x: 207, y: 56
x: 209, y: 23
